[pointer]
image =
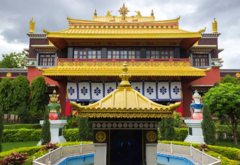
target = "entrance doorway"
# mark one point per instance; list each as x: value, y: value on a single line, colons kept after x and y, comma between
x: 126, y: 147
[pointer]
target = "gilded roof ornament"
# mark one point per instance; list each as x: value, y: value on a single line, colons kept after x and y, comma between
x: 46, y: 31
x: 178, y: 18
x: 32, y: 26
x: 214, y: 26
x: 124, y: 76
x: 138, y: 13
x: 95, y: 13
x: 109, y: 14
x: 123, y: 11
x: 152, y: 13
x: 202, y: 30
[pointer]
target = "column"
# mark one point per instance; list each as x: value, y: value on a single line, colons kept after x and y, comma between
x: 151, y: 153
x: 100, y: 153
x: 62, y: 87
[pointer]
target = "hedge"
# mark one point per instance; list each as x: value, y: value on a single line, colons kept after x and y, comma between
x: 20, y: 126
x: 230, y: 153
x: 21, y: 135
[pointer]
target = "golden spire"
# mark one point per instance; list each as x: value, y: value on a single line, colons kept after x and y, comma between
x: 95, y: 13
x: 32, y: 26
x: 123, y: 11
x: 125, y: 76
x: 214, y: 26
x: 152, y: 14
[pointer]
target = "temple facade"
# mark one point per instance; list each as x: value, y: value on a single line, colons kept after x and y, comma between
x: 84, y: 61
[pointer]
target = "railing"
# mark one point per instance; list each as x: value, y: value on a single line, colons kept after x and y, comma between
x: 190, y: 151
x: 119, y: 61
x: 54, y: 155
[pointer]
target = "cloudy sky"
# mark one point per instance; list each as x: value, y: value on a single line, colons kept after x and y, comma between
x: 51, y: 15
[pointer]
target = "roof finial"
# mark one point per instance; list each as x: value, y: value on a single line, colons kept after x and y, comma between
x: 214, y: 26
x: 152, y: 14
x: 123, y: 11
x: 125, y: 76
x: 95, y: 13
x: 32, y: 26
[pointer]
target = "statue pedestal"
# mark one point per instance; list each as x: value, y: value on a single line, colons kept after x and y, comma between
x: 56, y: 129
x: 195, y: 133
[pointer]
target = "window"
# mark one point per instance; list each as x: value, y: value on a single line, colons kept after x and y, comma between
x: 159, y: 53
x: 200, y: 60
x: 87, y: 53
x: 121, y: 53
x: 47, y: 60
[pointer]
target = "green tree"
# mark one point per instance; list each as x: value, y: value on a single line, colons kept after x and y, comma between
x: 6, y: 95
x: 224, y: 102
x: 1, y: 129
x: 229, y: 79
x: 208, y: 126
x: 46, y: 134
x: 83, y: 129
x: 216, y: 84
x: 169, y: 129
x: 21, y: 94
x: 13, y: 60
x: 38, y: 99
x: 162, y: 128
x: 177, y: 119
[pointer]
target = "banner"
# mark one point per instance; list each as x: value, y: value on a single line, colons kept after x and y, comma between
x: 153, y: 90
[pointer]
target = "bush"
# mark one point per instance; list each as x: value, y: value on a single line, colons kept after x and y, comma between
x: 19, y: 126
x: 14, y: 159
x: 46, y: 134
x: 21, y: 135
x: 180, y: 134
x: 177, y: 119
x: 70, y: 134
x: 162, y: 128
x: 169, y: 129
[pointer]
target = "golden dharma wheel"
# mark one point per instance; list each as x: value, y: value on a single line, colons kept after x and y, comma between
x: 151, y: 136
x: 237, y: 74
x: 101, y: 136
x: 9, y: 74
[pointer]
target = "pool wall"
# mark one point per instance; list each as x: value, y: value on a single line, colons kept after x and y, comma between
x: 171, y: 159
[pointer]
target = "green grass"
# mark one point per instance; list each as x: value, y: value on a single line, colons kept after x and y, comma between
x: 227, y: 144
x: 13, y: 145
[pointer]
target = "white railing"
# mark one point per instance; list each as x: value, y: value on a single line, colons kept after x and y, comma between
x: 190, y: 151
x: 63, y: 151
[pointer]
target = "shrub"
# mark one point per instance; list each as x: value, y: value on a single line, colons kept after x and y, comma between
x: 85, y: 129
x: 177, y: 119
x: 19, y: 126
x: 46, y: 134
x: 203, y: 146
x: 14, y: 159
x: 70, y: 134
x: 208, y: 126
x: 50, y: 146
x: 1, y: 129
x: 162, y: 128
x: 180, y: 134
x: 169, y: 129
x: 18, y: 135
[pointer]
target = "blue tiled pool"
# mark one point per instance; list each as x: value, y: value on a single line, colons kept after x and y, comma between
x: 161, y: 159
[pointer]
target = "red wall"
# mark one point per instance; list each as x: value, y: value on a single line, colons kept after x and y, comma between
x: 34, y: 72
x: 211, y: 77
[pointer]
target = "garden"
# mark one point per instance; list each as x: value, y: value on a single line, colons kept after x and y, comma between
x: 19, y: 139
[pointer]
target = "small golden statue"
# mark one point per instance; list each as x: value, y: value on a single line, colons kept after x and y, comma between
x: 214, y: 26
x: 32, y: 26
x: 54, y: 108
x: 95, y: 13
x: 138, y: 13
x: 109, y: 13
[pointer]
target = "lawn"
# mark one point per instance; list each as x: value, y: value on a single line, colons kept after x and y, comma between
x: 13, y: 145
x: 227, y: 144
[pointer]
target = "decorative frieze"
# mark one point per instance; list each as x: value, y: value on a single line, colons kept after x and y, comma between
x: 30, y: 62
x: 147, y: 125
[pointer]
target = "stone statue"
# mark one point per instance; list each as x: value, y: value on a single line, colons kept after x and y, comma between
x: 54, y: 108
x: 138, y: 14
x: 109, y: 13
x: 196, y: 107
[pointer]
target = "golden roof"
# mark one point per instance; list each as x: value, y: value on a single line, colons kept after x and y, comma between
x: 139, y: 69
x: 125, y: 102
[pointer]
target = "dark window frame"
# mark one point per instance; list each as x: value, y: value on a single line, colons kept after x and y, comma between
x: 121, y: 53
x: 160, y: 53
x: 200, y: 59
x: 47, y: 59
x: 87, y: 53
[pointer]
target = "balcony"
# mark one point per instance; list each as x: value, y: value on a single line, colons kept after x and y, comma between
x: 138, y: 62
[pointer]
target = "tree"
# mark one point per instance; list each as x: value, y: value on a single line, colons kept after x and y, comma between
x: 229, y: 79
x: 162, y: 128
x: 83, y: 129
x: 177, y: 119
x: 208, y: 126
x: 224, y: 102
x: 21, y: 94
x: 1, y: 129
x: 13, y: 60
x: 216, y: 84
x: 38, y: 99
x: 6, y: 95
x: 169, y: 129
x: 46, y: 134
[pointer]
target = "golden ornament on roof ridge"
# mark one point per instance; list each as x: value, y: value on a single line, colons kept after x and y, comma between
x: 125, y: 76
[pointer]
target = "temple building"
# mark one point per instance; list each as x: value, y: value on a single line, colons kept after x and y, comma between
x: 83, y: 62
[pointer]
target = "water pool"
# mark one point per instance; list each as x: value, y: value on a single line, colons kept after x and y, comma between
x: 161, y: 159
